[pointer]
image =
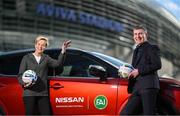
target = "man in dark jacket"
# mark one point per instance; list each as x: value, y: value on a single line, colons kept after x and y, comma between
x: 37, y: 94
x: 143, y: 80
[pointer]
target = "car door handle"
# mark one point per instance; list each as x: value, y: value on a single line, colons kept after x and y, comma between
x: 56, y: 86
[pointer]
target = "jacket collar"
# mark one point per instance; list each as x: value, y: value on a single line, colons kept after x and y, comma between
x: 135, y: 61
x: 33, y: 58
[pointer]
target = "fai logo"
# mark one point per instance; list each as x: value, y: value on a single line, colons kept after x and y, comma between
x: 100, y: 102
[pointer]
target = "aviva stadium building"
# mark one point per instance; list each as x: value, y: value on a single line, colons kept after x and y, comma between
x: 96, y: 25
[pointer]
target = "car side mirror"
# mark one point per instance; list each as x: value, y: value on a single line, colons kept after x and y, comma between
x: 98, y: 71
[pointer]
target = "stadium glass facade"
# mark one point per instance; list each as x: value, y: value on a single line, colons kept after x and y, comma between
x: 95, y: 25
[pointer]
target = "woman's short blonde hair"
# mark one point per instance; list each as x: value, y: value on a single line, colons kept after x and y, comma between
x: 42, y: 38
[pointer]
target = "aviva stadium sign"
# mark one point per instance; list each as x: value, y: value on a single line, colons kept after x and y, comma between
x: 77, y: 16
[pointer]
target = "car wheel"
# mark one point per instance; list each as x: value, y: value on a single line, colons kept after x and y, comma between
x: 166, y: 107
x: 162, y: 111
x: 1, y: 112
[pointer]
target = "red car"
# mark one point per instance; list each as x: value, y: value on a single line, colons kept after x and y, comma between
x: 88, y: 85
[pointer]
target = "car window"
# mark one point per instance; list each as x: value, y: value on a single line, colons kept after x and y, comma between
x: 54, y: 55
x: 112, y: 60
x: 9, y: 65
x: 76, y: 65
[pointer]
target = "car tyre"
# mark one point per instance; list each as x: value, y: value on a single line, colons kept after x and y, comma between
x: 1, y: 112
x: 166, y: 107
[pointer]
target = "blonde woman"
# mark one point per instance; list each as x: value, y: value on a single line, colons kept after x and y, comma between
x: 37, y: 95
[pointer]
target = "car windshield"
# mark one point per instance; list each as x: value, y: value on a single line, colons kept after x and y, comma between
x: 115, y: 62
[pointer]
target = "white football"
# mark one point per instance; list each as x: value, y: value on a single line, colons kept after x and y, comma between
x: 124, y: 70
x: 29, y: 77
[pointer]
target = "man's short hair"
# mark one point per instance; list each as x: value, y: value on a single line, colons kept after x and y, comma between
x: 140, y: 27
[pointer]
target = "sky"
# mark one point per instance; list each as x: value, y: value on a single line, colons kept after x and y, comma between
x: 171, y: 5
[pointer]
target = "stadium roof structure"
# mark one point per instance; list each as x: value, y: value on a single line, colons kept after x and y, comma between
x: 166, y: 27
x: 91, y: 24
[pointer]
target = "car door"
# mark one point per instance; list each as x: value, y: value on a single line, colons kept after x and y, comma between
x: 11, y: 102
x: 75, y: 91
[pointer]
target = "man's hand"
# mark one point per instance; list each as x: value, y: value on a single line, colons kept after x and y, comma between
x: 133, y: 74
x: 65, y: 45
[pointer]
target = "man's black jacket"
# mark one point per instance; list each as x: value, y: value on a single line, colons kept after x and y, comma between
x: 146, y: 59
